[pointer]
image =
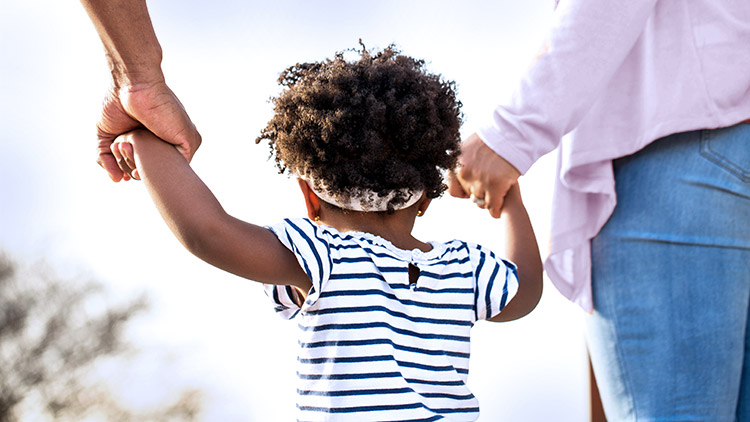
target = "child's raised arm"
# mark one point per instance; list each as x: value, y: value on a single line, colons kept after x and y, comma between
x: 523, y: 250
x: 195, y: 216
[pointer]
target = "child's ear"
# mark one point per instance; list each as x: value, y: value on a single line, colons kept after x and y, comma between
x: 424, y: 203
x: 311, y: 200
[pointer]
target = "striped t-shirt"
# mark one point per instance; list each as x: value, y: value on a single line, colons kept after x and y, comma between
x: 375, y: 347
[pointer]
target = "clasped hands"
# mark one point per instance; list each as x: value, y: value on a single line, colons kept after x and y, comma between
x: 482, y: 175
x: 148, y: 105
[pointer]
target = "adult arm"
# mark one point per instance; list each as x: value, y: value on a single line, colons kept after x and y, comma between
x: 522, y: 249
x: 139, y: 95
x: 587, y: 44
x: 200, y: 223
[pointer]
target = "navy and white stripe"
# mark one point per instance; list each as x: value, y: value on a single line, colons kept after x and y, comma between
x: 374, y: 347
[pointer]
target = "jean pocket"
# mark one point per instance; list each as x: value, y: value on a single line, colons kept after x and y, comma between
x: 729, y: 147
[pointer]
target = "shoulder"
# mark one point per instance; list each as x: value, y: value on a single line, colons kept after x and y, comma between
x: 457, y: 251
x: 460, y: 247
x: 303, y: 233
x: 480, y: 256
x: 291, y: 231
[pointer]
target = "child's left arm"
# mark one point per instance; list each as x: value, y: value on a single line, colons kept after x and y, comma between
x: 198, y: 220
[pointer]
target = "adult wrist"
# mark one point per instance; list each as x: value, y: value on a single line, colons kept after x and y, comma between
x: 505, y: 148
x: 143, y: 70
x: 132, y: 50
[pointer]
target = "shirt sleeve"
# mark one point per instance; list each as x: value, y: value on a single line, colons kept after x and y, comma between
x: 309, y: 245
x: 496, y: 282
x: 588, y: 42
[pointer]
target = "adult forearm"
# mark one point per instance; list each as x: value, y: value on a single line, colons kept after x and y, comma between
x: 132, y: 49
x: 587, y: 44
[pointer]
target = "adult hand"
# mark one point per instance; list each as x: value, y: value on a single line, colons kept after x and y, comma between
x: 482, y: 175
x: 150, y: 105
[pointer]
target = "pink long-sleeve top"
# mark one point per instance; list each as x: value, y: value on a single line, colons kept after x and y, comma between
x: 616, y: 76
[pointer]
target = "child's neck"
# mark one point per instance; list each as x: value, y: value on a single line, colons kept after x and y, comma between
x: 395, y: 228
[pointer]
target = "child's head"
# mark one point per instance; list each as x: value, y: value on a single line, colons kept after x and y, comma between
x: 379, y: 125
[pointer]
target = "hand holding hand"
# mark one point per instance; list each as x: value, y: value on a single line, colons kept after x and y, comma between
x: 482, y: 175
x: 122, y: 151
x: 153, y: 106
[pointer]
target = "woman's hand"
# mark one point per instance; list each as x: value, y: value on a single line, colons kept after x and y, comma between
x: 483, y: 176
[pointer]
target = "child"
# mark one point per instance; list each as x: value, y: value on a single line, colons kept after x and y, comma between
x: 384, y: 318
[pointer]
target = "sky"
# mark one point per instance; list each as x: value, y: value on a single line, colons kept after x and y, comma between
x: 222, y: 59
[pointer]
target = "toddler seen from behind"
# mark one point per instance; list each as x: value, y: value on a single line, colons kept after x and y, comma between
x: 384, y: 318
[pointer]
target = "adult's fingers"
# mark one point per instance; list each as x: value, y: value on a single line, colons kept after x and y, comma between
x: 112, y: 122
x: 482, y: 168
x: 159, y: 110
x: 479, y: 201
x: 477, y: 195
x: 455, y: 188
x: 494, y: 202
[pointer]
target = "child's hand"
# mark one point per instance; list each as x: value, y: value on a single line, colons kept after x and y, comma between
x: 122, y: 149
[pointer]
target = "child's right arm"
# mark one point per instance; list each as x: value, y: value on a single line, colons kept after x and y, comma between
x: 195, y: 216
x: 523, y: 250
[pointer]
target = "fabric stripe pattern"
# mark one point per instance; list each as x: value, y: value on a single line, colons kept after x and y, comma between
x: 375, y: 347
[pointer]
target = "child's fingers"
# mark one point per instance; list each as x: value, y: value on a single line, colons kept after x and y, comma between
x: 123, y: 152
x: 126, y: 149
x: 115, y: 148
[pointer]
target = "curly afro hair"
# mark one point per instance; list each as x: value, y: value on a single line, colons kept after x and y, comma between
x: 381, y: 123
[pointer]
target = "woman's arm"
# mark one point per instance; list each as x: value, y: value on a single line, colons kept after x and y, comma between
x: 200, y: 223
x: 587, y: 44
x: 523, y: 250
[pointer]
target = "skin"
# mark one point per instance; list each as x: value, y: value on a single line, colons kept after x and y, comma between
x: 522, y: 249
x: 250, y: 251
x: 484, y: 174
x: 138, y: 96
x: 396, y: 227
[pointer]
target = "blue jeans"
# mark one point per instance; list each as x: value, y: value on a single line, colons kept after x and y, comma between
x: 671, y: 280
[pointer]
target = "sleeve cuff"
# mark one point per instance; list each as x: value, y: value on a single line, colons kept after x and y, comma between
x: 505, y: 148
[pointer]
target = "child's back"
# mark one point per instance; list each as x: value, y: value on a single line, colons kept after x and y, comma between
x: 384, y: 332
x: 384, y: 317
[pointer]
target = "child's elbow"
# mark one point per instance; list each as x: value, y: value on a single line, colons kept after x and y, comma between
x: 534, y: 285
x: 526, y: 299
x: 199, y: 240
x: 194, y: 244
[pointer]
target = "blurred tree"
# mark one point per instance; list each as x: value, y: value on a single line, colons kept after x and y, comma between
x: 52, y: 335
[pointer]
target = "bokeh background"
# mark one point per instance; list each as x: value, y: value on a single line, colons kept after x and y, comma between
x: 219, y: 332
